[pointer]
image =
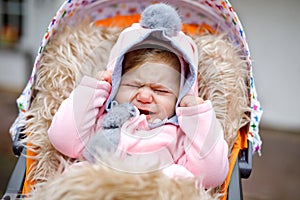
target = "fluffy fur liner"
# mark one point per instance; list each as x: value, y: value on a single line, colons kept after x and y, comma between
x: 83, y: 50
x: 97, y: 182
x: 223, y: 79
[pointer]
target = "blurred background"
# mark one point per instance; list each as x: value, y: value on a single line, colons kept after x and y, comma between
x: 272, y: 28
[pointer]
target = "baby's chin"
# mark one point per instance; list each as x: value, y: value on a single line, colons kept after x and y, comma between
x: 154, y: 120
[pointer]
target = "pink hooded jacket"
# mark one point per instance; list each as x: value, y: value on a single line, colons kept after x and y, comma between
x: 191, y: 143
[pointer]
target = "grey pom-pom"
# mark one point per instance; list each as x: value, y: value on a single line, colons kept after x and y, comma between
x: 161, y: 16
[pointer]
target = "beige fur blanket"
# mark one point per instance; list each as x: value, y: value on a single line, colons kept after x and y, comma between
x: 83, y: 50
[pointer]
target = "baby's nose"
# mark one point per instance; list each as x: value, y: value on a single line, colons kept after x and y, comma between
x: 145, y: 95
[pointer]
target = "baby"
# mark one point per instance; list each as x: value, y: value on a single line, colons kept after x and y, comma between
x: 152, y: 66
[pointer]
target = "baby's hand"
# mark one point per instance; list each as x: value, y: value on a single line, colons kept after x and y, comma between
x: 104, y: 76
x: 190, y: 100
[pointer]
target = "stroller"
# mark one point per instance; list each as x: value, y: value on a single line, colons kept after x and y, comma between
x: 199, y: 17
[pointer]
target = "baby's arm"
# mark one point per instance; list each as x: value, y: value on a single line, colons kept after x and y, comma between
x: 206, y: 150
x: 75, y: 120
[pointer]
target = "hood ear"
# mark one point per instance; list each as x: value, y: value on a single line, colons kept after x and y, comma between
x: 161, y: 16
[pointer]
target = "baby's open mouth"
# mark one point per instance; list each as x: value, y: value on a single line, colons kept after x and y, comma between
x: 145, y: 112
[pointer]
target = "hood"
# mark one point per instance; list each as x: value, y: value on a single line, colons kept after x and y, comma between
x: 138, y: 36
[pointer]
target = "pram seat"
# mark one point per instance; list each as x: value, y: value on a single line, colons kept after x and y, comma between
x: 217, y: 17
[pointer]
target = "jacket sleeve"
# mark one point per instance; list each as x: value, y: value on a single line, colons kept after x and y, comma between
x: 75, y: 120
x: 206, y: 151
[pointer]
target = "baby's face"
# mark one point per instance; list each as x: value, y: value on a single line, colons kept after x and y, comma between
x: 153, y: 88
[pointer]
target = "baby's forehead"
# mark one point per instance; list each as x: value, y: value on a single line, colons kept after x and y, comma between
x: 157, y: 67
x: 155, y: 72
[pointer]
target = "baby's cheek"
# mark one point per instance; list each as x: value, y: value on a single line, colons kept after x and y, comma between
x: 124, y: 95
x: 170, y: 106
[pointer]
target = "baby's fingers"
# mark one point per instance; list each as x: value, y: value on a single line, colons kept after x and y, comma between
x: 190, y: 100
x: 105, y: 76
